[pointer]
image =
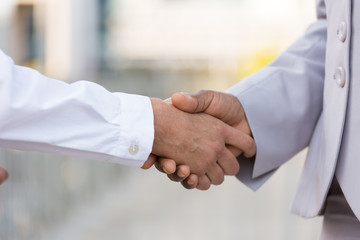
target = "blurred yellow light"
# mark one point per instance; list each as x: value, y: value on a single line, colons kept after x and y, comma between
x: 253, y: 63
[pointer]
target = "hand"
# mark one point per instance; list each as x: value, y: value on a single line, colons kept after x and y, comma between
x: 169, y: 167
x: 3, y: 175
x: 199, y: 141
x: 220, y: 105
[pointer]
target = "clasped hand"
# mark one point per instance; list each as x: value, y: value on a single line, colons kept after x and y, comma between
x: 198, y: 137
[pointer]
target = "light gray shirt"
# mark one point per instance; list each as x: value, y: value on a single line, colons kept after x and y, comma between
x: 300, y: 100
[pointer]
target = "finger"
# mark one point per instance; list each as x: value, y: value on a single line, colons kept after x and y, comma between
x: 158, y: 167
x: 223, y: 106
x: 3, y: 174
x: 204, y: 183
x: 190, y: 182
x: 166, y: 165
x: 173, y: 177
x: 228, y: 162
x: 182, y: 172
x: 240, y: 140
x: 235, y: 151
x: 149, y: 162
x: 192, y: 104
x: 215, y: 174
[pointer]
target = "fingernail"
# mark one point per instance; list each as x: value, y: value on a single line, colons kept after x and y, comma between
x: 190, y: 183
x: 185, y: 94
x: 181, y: 175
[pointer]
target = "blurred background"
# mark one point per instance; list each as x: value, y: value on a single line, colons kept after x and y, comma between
x: 154, y: 48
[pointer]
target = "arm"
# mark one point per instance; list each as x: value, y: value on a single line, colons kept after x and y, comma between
x: 283, y: 102
x: 82, y: 119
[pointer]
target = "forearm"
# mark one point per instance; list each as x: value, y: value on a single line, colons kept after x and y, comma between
x: 80, y: 119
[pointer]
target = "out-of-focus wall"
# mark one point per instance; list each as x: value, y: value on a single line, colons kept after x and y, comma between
x: 154, y: 48
x: 203, y: 29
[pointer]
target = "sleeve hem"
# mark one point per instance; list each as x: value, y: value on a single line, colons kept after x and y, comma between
x: 136, y: 123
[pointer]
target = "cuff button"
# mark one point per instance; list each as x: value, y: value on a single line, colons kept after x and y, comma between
x: 133, y: 149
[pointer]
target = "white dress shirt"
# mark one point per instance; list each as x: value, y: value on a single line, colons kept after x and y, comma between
x: 81, y: 119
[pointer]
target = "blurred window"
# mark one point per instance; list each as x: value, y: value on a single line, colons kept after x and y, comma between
x: 27, y: 46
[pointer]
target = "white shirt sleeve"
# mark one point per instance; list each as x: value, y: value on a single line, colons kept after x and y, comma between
x: 82, y: 119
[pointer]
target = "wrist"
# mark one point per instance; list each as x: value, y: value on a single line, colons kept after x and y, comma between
x: 160, y: 121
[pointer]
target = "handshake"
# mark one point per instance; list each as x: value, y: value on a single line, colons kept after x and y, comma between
x: 198, y: 137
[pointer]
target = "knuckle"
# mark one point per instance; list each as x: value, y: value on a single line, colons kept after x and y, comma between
x: 250, y: 143
x: 218, y: 148
x: 185, y: 185
x: 201, y: 171
x: 233, y: 169
x: 229, y: 171
x: 204, y: 187
x: 200, y: 166
x: 207, y: 93
x: 219, y: 180
x: 210, y: 158
x: 221, y: 127
x: 206, y: 97
x: 210, y: 94
x: 222, y: 179
x: 173, y: 177
x: 236, y: 169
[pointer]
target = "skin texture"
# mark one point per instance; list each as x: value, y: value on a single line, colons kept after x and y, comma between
x: 198, y: 141
x: 223, y: 106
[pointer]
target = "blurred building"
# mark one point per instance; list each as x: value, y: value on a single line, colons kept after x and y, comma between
x: 75, y: 39
x: 57, y: 37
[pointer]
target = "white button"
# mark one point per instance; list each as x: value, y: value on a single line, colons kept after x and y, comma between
x: 342, y: 31
x: 133, y: 149
x: 340, y: 76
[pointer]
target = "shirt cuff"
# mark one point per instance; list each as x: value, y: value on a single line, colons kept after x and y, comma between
x: 255, y: 171
x: 136, y: 122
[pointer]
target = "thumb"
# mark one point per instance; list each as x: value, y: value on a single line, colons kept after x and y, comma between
x: 149, y: 162
x: 196, y: 103
x: 220, y: 105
